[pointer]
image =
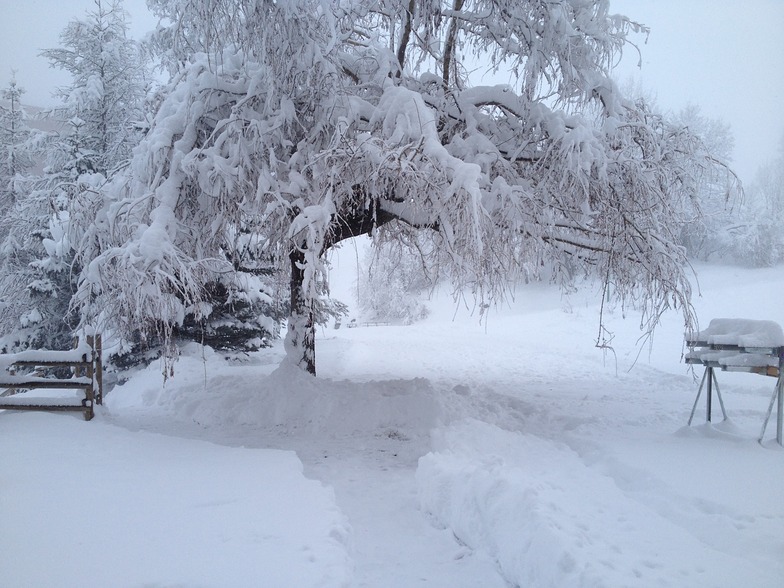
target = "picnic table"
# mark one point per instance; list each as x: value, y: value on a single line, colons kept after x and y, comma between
x: 739, y: 345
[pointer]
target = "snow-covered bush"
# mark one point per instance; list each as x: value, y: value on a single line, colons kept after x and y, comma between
x: 241, y: 316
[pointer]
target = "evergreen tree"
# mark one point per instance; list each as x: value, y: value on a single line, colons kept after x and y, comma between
x: 241, y: 308
x: 104, y: 101
x: 16, y: 144
x: 98, y: 124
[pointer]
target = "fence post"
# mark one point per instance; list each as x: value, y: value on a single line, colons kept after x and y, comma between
x: 97, y: 354
x: 75, y: 345
x: 91, y: 365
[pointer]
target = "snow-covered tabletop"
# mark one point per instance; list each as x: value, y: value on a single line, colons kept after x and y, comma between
x: 738, y: 345
x: 744, y: 333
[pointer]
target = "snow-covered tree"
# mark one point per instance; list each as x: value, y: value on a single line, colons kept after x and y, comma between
x: 396, y: 277
x: 97, y: 127
x: 757, y: 230
x: 108, y: 84
x: 37, y: 280
x: 709, y: 233
x: 315, y: 121
x: 241, y: 309
x: 21, y: 222
x: 16, y: 145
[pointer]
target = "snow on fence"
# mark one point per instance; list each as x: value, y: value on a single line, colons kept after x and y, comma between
x: 84, y: 361
x: 353, y: 324
x: 739, y: 345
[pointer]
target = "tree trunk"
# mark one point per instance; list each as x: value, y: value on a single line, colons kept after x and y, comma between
x: 365, y: 217
x: 300, y: 340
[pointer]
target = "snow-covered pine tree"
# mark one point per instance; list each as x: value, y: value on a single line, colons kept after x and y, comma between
x: 108, y: 85
x: 98, y: 125
x: 16, y: 144
x: 320, y: 120
x: 20, y: 225
x: 241, y: 309
x: 38, y: 278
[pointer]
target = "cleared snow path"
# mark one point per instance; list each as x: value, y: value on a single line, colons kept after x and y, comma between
x: 363, y: 440
x: 585, y: 477
x: 395, y: 543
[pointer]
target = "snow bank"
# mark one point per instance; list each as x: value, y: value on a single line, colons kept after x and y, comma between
x: 138, y: 509
x: 552, y: 521
x: 286, y: 400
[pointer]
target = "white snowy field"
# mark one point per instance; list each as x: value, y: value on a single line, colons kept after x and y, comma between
x: 447, y: 454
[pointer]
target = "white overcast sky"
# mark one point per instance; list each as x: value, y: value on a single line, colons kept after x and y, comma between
x: 727, y: 56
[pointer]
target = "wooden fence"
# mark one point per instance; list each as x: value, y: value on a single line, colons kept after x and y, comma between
x: 86, y: 369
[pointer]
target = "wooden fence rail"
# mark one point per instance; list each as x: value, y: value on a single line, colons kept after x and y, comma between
x: 84, y: 361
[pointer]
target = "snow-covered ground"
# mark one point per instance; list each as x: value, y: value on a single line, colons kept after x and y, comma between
x: 446, y: 453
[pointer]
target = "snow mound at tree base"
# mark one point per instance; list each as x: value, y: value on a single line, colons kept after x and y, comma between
x: 550, y: 520
x: 212, y: 393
